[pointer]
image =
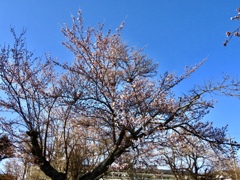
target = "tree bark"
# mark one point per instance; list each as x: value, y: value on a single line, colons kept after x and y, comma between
x: 41, y: 161
x: 103, y: 167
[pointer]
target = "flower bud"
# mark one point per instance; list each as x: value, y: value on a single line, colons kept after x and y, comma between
x: 228, y: 33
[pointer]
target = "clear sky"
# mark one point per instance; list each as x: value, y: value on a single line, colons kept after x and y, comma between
x: 176, y: 33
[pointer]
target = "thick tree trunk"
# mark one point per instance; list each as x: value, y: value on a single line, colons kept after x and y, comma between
x: 103, y: 167
x: 41, y: 161
x: 52, y: 172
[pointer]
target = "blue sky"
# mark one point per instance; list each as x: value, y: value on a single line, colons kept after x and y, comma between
x: 175, y: 33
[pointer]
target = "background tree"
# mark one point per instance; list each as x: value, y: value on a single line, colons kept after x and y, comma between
x: 192, y: 157
x: 111, y: 96
x: 13, y: 168
x: 6, y: 148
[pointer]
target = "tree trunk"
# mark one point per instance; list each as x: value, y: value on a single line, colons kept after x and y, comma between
x: 41, y: 161
x: 52, y: 172
x: 103, y: 167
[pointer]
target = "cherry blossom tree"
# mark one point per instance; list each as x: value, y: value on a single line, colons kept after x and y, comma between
x: 236, y: 31
x: 27, y: 96
x: 108, y: 103
x: 192, y: 157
